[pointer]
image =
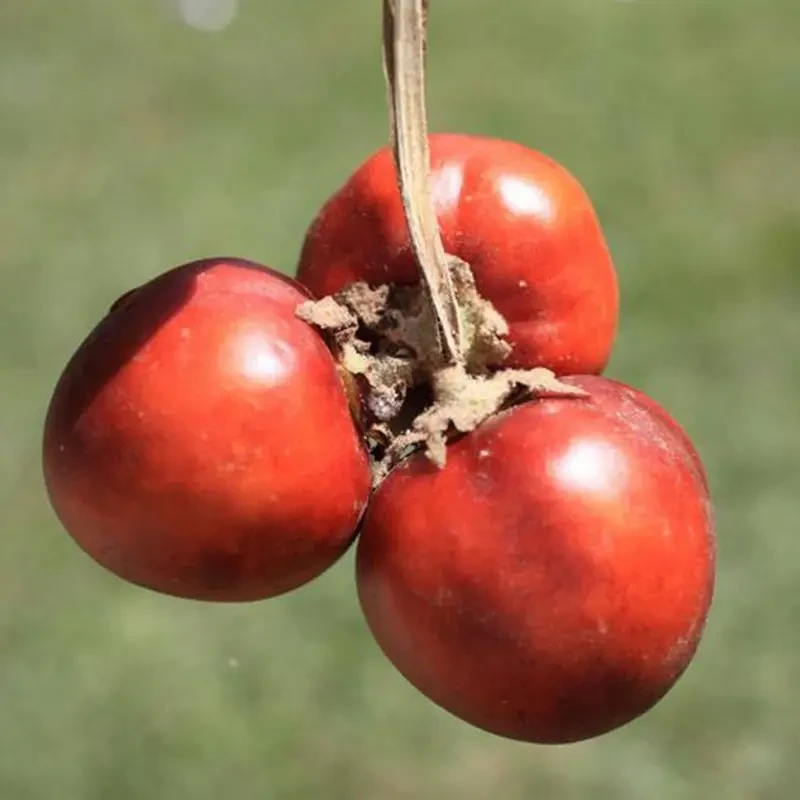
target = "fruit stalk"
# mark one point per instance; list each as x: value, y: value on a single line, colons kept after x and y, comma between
x: 427, y: 356
x: 404, y: 38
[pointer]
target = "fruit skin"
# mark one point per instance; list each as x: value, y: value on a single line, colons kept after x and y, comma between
x: 523, y: 223
x: 552, y: 581
x: 671, y: 424
x: 227, y: 274
x: 199, y: 442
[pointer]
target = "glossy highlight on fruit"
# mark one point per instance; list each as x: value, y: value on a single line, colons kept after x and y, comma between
x: 200, y: 443
x: 521, y: 221
x: 551, y: 583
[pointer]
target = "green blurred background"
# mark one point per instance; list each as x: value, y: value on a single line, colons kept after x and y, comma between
x: 130, y: 142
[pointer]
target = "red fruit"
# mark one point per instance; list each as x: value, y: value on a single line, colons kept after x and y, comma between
x: 523, y: 223
x: 200, y: 443
x: 552, y: 581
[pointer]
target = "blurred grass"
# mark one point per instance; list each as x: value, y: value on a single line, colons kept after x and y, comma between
x: 129, y: 143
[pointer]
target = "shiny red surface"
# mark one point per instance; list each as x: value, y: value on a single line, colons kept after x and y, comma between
x: 234, y: 275
x: 675, y: 428
x: 523, y: 223
x: 552, y: 581
x: 199, y: 442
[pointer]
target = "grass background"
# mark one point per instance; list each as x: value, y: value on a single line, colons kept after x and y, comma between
x: 130, y: 142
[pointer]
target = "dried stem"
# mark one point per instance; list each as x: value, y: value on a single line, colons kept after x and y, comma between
x: 415, y: 383
x: 404, y: 29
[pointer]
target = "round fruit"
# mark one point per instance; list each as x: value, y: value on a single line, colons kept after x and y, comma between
x: 552, y: 581
x: 523, y: 223
x: 199, y: 442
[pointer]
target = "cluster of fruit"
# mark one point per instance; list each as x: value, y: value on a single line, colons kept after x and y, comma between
x: 549, y: 581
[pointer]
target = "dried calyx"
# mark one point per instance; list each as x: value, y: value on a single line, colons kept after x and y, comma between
x: 425, y: 360
x: 387, y: 339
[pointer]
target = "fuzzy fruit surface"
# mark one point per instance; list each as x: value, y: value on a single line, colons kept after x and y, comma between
x: 199, y: 442
x: 552, y: 581
x: 519, y: 219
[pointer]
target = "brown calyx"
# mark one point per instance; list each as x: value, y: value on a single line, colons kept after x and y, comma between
x: 387, y: 340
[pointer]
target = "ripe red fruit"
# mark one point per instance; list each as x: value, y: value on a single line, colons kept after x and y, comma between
x: 200, y: 443
x: 523, y: 223
x: 552, y: 581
